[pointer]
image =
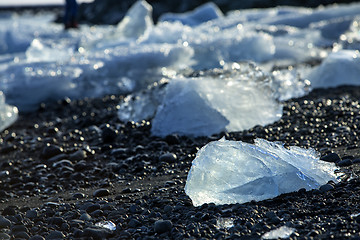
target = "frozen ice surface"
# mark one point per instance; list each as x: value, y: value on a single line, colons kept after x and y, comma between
x: 201, y: 14
x: 339, y: 68
x: 92, y: 61
x: 8, y: 113
x: 235, y: 100
x: 225, y: 172
x: 281, y: 232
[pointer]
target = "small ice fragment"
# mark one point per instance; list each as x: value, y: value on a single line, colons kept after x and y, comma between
x: 106, y: 224
x: 354, y: 215
x: 281, y: 232
x: 8, y: 113
x: 224, y: 223
x: 226, y: 172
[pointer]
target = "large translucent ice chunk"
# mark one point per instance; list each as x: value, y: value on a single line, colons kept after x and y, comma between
x: 137, y: 20
x: 234, y: 100
x: 225, y: 172
x: 339, y: 68
x: 8, y: 114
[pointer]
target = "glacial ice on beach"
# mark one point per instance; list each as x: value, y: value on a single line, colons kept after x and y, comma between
x: 282, y: 232
x: 8, y: 113
x: 339, y: 68
x: 225, y: 172
x: 136, y: 53
x: 231, y: 99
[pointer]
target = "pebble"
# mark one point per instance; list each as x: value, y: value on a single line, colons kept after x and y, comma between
x: 95, y: 233
x: 4, y: 222
x: 78, y: 195
x: 326, y: 187
x: 109, y: 134
x: 4, y: 236
x: 331, y: 157
x: 55, y: 235
x: 102, y: 192
x: 168, y: 157
x: 37, y: 237
x: 162, y: 226
x: 51, y: 151
x: 344, y: 163
x: 85, y: 217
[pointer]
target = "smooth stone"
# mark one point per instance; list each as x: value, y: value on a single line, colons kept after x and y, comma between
x: 4, y: 236
x: 331, y: 157
x: 326, y: 187
x: 50, y: 151
x: 162, y: 226
x: 134, y: 223
x: 102, y: 192
x: 92, y: 208
x: 4, y: 222
x: 95, y: 233
x: 37, y: 237
x: 78, y: 195
x: 85, y: 217
x: 168, y: 157
x: 31, y: 214
x: 55, y: 235
x: 344, y: 163
x: 21, y: 235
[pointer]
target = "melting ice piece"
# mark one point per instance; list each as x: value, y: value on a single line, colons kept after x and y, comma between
x: 106, y: 224
x: 339, y: 68
x: 225, y: 172
x: 233, y: 101
x: 8, y: 114
x: 281, y: 232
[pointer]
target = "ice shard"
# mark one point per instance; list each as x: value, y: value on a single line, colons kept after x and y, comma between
x: 8, y: 113
x: 226, y: 172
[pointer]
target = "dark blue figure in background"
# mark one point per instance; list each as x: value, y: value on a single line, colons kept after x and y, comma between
x: 71, y: 8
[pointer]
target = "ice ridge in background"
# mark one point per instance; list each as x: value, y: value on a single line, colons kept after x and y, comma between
x: 226, y: 172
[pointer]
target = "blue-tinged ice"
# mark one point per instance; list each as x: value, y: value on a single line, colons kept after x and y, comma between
x: 339, y: 68
x: 8, y: 113
x: 282, y: 232
x: 237, y: 99
x: 226, y: 172
x: 137, y: 21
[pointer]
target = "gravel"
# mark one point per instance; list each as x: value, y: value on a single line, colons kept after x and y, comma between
x: 73, y: 165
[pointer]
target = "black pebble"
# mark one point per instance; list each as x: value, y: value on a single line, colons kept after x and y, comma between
x: 168, y: 157
x: 4, y: 222
x: 326, y: 187
x: 55, y: 235
x: 162, y: 226
x: 331, y: 157
x: 51, y: 151
x: 102, y: 192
